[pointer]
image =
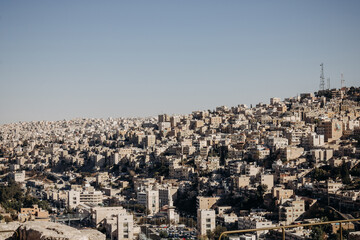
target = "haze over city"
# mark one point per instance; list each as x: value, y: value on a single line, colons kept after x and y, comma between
x: 69, y: 59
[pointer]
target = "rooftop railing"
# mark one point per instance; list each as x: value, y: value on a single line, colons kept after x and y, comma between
x: 291, y: 226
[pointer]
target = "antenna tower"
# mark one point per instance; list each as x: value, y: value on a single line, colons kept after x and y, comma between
x: 322, y: 78
x: 342, y: 81
x: 328, y: 83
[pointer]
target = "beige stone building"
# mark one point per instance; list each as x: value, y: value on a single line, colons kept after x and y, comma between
x: 18, y: 176
x: 205, y: 221
x: 150, y: 140
x: 254, y: 222
x: 167, y: 195
x: 125, y: 226
x: 121, y: 226
x: 242, y: 181
x: 280, y: 193
x: 332, y: 130
x: 291, y: 210
x: 206, y: 202
x: 34, y: 214
x: 100, y: 213
x: 268, y: 180
x: 291, y: 153
x: 150, y: 199
x: 74, y: 198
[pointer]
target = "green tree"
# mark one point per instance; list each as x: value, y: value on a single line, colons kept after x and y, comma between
x: 320, y: 174
x: 318, y: 233
x: 218, y: 230
x: 223, y: 154
x: 260, y: 191
x: 163, y: 234
x: 345, y: 175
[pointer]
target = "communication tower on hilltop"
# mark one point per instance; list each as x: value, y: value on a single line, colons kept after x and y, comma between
x: 322, y: 78
x: 342, y: 81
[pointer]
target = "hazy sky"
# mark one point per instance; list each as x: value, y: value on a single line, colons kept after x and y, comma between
x: 68, y: 59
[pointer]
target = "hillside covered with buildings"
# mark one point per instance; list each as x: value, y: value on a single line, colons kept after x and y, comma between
x: 187, y: 176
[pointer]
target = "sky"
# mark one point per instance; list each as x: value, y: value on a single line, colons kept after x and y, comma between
x: 99, y: 59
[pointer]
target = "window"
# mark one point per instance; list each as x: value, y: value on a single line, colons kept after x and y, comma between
x: 208, y: 220
x: 208, y: 225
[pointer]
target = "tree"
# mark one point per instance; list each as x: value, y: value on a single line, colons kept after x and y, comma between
x: 223, y: 154
x: 317, y: 233
x: 345, y: 176
x: 163, y: 234
x: 218, y: 230
x: 320, y: 174
x: 215, y: 234
x: 260, y: 191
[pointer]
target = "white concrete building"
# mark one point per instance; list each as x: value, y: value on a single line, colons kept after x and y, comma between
x: 205, y: 220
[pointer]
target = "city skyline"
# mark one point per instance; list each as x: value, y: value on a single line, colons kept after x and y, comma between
x: 124, y: 59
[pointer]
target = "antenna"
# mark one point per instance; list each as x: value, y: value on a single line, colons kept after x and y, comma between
x: 342, y: 80
x: 328, y: 83
x: 322, y: 78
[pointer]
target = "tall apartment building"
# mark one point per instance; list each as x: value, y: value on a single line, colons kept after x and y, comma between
x: 167, y: 195
x: 120, y: 226
x: 73, y: 199
x: 205, y: 220
x: 163, y: 118
x: 332, y: 130
x: 150, y: 199
x: 114, y: 159
x: 150, y: 140
x: 174, y: 120
x: 291, y: 210
x: 316, y: 140
x: 125, y: 226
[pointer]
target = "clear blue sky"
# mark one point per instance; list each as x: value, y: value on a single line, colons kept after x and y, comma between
x: 68, y: 59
